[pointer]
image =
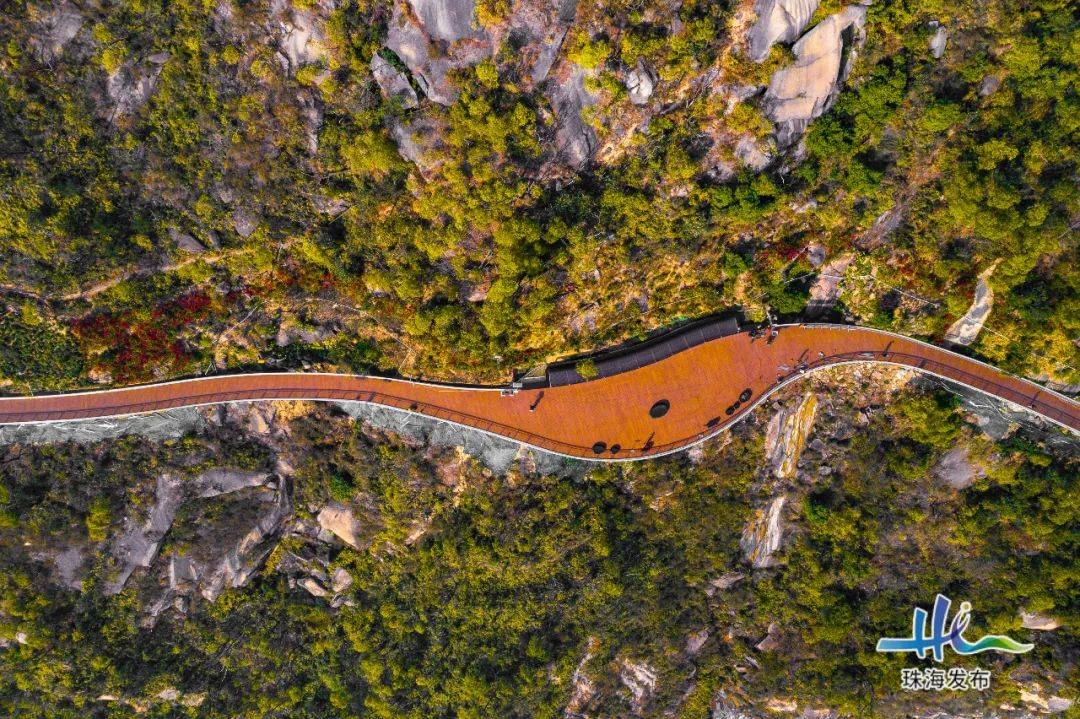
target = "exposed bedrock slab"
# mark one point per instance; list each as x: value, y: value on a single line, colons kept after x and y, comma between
x: 939, y: 40
x: 446, y: 20
x: 825, y: 292
x: 138, y: 546
x: 55, y: 28
x: 577, y: 141
x: 777, y: 21
x: 786, y: 436
x: 966, y: 329
x: 434, y: 37
x: 805, y: 90
x: 393, y: 82
x: 762, y: 534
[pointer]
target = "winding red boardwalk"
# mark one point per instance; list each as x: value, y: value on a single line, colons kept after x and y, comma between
x: 705, y: 389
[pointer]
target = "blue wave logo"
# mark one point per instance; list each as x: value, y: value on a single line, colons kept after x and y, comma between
x: 920, y: 642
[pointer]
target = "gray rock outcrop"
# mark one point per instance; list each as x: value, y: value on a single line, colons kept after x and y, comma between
x: 989, y: 85
x: 762, y: 534
x: 696, y: 641
x: 723, y: 583
x: 825, y: 291
x: 885, y: 224
x: 545, y: 28
x: 340, y: 580
x: 956, y: 470
x: 130, y: 87
x: 966, y: 329
x: 568, y: 96
x: 1034, y: 698
x: 54, y: 29
x: 302, y: 40
x: 244, y: 222
x: 392, y: 82
x: 751, y: 154
x: 220, y: 480
x: 640, y: 679
x: 583, y: 689
x: 1038, y: 621
x: 340, y: 521
x: 419, y: 141
x: 138, y: 545
x: 771, y: 640
x: 238, y: 564
x: 801, y: 92
x: 785, y: 437
x: 640, y: 83
x: 435, y: 37
x: 777, y: 21
x: 185, y: 242
x: 210, y: 567
x: 939, y: 40
x: 312, y: 587
x: 446, y: 20
x: 69, y: 564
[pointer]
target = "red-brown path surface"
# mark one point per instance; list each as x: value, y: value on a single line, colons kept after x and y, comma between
x: 700, y: 384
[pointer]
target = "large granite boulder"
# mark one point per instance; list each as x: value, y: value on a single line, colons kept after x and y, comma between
x: 640, y: 83
x: 1038, y: 621
x: 955, y: 469
x: 777, y: 21
x: 801, y: 92
x: 340, y: 521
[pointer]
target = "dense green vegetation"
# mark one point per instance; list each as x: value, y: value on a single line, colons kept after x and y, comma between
x: 516, y: 579
x: 490, y: 253
x: 183, y: 190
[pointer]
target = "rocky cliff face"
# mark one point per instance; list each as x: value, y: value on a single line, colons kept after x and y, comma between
x: 780, y: 21
x: 435, y: 39
x: 762, y: 535
x: 786, y: 435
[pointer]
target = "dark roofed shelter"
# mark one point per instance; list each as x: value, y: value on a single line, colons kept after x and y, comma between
x: 662, y: 346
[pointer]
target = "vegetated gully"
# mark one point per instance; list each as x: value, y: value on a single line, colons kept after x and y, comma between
x: 653, y: 409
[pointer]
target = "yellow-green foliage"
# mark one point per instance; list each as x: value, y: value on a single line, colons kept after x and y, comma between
x: 588, y: 52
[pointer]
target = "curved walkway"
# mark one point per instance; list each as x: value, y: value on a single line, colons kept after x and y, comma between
x: 652, y: 410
